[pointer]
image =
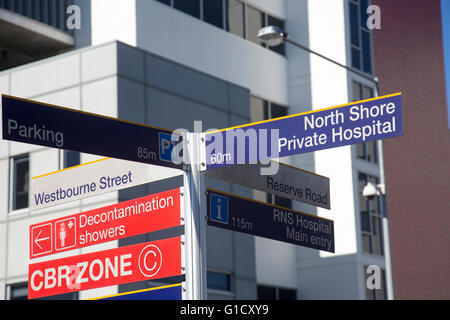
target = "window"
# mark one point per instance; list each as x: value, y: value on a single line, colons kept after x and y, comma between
x: 49, y: 12
x: 18, y: 291
x: 71, y: 159
x: 275, y: 293
x: 360, y: 36
x: 255, y: 21
x: 261, y: 109
x: 191, y: 7
x: 235, y: 17
x: 368, y: 150
x: 371, y: 230
x: 279, y: 201
x: 20, y: 182
x: 213, y: 12
x: 376, y: 294
x: 218, y: 280
x: 166, y: 2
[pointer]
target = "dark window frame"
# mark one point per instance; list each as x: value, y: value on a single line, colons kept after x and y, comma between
x: 372, y: 215
x: 361, y: 52
x: 16, y: 161
x: 276, y: 290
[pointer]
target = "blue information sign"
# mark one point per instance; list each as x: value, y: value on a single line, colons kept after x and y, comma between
x: 58, y: 127
x: 269, y: 221
x: 352, y: 123
x: 170, y: 292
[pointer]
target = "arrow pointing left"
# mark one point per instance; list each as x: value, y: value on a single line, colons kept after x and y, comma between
x: 41, y: 239
x: 37, y: 240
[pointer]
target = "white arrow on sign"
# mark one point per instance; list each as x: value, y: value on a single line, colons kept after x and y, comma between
x: 37, y: 240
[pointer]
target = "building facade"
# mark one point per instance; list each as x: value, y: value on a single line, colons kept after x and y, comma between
x: 168, y: 63
x: 409, y: 57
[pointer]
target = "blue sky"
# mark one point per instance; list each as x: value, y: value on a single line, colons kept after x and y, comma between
x: 445, y: 9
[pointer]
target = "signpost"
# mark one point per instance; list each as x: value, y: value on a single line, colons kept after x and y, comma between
x: 140, y: 262
x: 91, y: 179
x: 235, y: 213
x: 150, y: 213
x: 351, y: 123
x: 63, y: 128
x: 242, y: 146
x: 289, y: 182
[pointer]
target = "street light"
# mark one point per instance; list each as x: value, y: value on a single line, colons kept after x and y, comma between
x: 274, y: 36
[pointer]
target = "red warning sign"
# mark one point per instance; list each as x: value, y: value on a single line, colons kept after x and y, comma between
x: 118, y: 221
x: 140, y: 262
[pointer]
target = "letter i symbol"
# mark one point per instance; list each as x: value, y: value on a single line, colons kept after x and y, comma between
x: 219, y: 210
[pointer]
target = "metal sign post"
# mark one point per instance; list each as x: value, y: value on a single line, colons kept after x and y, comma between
x: 195, y: 235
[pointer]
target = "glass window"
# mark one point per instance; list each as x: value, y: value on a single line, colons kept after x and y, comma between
x: 287, y: 294
x: 267, y: 293
x: 356, y: 59
x: 366, y: 151
x: 367, y: 62
x: 18, y: 291
x: 218, y: 281
x: 258, y: 109
x: 71, y: 159
x: 356, y: 91
x: 277, y: 111
x: 354, y: 25
x: 36, y: 11
x: 275, y: 293
x: 376, y: 294
x: 20, y: 182
x: 361, y: 54
x: 64, y: 296
x: 235, y: 17
x: 363, y: 11
x: 167, y: 2
x: 255, y: 21
x: 213, y: 12
x: 366, y: 92
x: 371, y: 230
x: 377, y: 236
x: 382, y: 293
x: 365, y: 219
x: 367, y: 243
x: 191, y: 7
x: 283, y: 202
x: 272, y: 21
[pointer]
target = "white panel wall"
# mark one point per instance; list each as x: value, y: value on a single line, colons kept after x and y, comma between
x: 177, y: 36
x: 275, y: 8
x: 113, y: 20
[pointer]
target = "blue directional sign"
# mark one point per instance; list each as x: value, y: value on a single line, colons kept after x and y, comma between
x: 58, y: 127
x: 352, y: 123
x: 170, y: 292
x: 269, y: 221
